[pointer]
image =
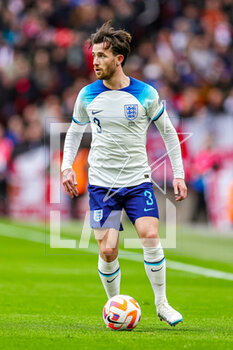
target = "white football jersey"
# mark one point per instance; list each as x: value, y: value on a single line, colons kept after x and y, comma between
x: 119, y: 121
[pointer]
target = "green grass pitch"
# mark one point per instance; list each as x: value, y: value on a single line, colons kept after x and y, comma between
x: 53, y: 298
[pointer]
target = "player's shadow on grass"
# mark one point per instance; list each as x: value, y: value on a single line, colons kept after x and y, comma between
x: 171, y: 329
x: 150, y: 329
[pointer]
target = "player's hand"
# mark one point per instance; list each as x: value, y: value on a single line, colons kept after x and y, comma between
x: 180, y: 189
x: 69, y: 182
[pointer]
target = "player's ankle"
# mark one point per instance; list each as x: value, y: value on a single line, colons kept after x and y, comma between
x: 161, y: 301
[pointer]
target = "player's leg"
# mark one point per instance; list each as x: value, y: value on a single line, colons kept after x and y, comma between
x: 155, y: 266
x: 142, y: 210
x: 105, y: 217
x: 108, y: 265
x: 154, y: 260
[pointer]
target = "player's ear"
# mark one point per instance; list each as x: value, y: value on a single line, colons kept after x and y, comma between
x: 120, y: 59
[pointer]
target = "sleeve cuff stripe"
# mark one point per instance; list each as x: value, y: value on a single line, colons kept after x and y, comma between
x: 159, y: 114
x: 76, y: 121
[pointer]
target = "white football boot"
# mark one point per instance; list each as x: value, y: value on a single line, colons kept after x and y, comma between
x: 166, y: 313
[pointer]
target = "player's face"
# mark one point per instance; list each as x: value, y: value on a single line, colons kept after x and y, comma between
x: 105, y: 63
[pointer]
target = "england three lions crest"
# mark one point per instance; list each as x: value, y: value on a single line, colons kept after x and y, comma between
x: 131, y: 111
x: 98, y: 214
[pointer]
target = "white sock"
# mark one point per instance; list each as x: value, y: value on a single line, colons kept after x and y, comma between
x: 155, y: 266
x: 110, y: 275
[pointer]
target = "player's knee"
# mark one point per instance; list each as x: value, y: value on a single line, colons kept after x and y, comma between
x: 109, y: 254
x: 151, y: 234
x: 150, y: 239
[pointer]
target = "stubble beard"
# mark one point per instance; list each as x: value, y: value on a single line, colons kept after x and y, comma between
x: 108, y: 73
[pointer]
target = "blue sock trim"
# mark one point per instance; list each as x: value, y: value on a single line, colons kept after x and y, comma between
x: 109, y: 274
x: 154, y: 263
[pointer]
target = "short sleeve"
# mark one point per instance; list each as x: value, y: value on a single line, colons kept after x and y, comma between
x: 153, y: 105
x: 80, y: 115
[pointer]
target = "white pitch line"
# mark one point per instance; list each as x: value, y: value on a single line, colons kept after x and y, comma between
x: 178, y: 266
x: 39, y: 237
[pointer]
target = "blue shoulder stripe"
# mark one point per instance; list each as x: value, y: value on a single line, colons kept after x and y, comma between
x: 143, y: 92
x: 89, y: 92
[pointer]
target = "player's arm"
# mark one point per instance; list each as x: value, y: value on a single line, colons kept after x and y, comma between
x: 72, y: 143
x: 71, y: 146
x: 156, y: 111
x: 171, y: 140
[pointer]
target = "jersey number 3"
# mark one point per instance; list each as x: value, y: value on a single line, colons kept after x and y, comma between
x: 148, y: 194
x: 97, y: 122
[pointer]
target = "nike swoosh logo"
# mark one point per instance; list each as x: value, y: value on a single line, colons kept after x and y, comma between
x: 157, y: 270
x: 112, y: 279
x: 111, y: 321
x: 147, y: 209
x: 95, y: 112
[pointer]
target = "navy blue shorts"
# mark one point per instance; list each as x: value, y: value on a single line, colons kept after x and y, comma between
x: 106, y: 204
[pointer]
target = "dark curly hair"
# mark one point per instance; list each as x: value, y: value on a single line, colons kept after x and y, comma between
x: 117, y: 40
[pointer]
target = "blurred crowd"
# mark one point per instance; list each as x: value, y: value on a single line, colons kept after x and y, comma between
x: 183, y: 48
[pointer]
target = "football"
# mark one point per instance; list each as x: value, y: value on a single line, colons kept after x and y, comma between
x: 121, y: 312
